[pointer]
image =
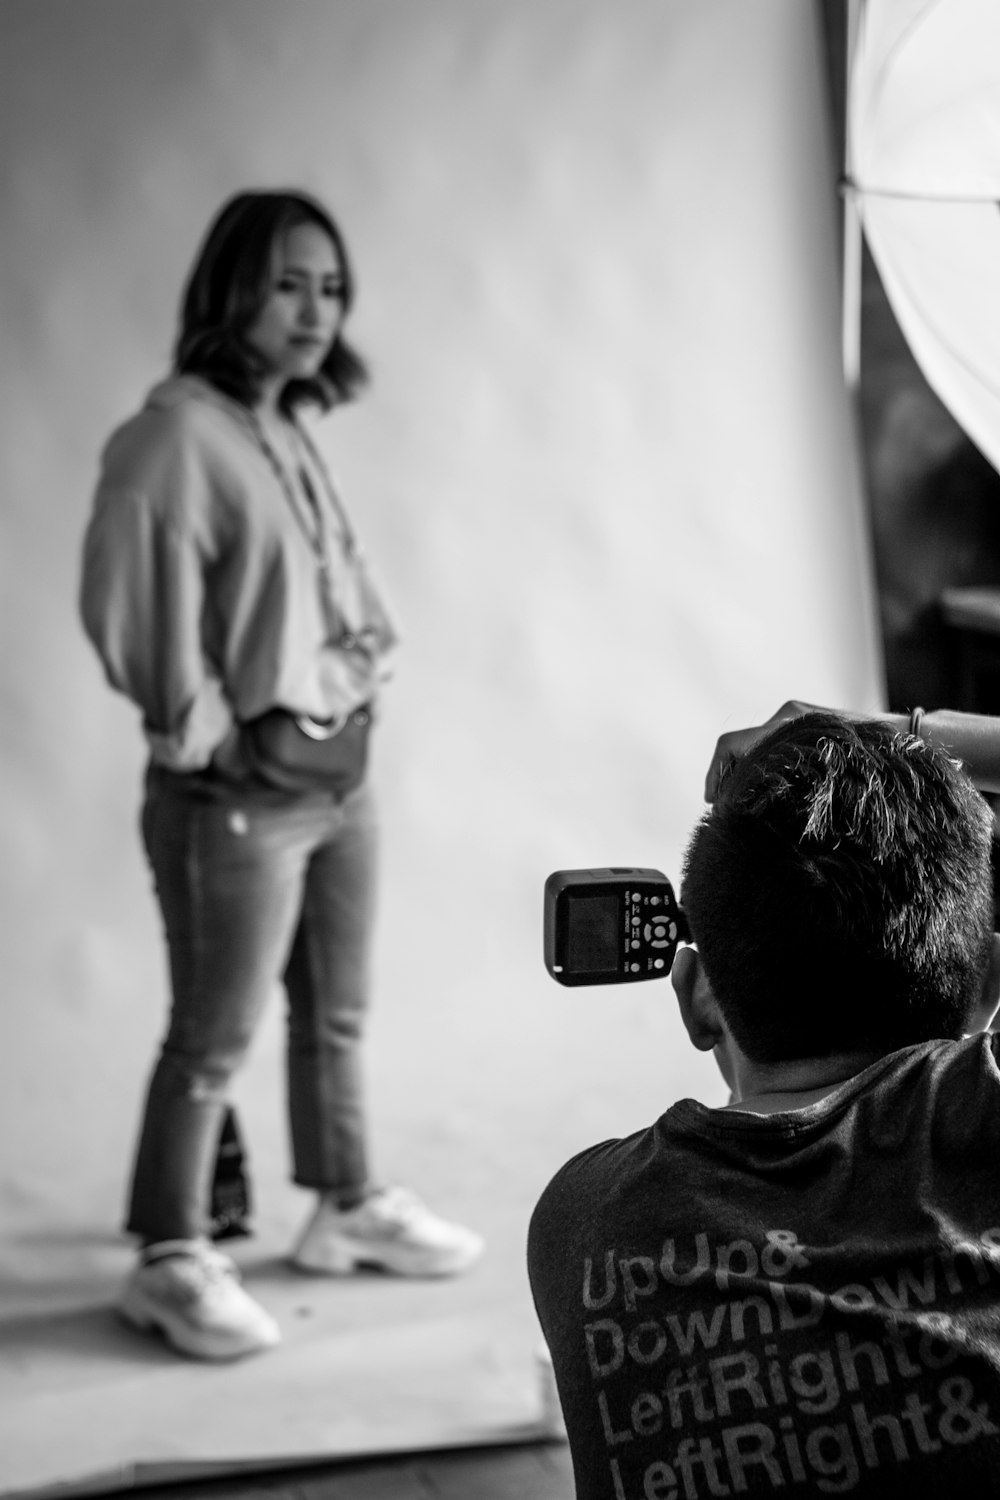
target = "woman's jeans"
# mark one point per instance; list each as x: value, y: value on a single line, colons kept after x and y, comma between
x: 255, y: 887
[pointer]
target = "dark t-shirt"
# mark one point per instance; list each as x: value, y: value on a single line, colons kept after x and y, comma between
x: 805, y: 1302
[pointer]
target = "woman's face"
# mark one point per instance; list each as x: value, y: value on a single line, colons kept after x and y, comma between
x: 304, y: 306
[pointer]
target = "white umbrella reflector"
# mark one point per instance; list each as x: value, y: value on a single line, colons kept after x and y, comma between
x: 923, y: 156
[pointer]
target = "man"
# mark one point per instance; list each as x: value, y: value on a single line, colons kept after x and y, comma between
x: 800, y: 1292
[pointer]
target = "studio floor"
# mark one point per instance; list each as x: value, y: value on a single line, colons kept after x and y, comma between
x: 369, y: 1368
x: 381, y: 1385
x: 535, y: 1471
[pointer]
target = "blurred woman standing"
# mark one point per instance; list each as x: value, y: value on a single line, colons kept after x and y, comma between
x: 226, y: 595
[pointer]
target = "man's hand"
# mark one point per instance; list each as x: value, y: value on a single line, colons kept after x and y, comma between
x: 736, y: 742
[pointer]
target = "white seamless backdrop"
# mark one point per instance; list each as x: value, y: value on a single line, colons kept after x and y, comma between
x: 606, y: 475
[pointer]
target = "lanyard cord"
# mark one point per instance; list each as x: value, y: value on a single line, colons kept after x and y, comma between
x: 310, y: 522
x: 372, y: 633
x: 310, y: 517
x: 320, y: 468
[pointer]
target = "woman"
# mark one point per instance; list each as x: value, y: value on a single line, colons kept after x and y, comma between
x: 225, y: 594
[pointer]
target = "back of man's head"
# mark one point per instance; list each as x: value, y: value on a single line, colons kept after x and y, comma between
x: 840, y: 892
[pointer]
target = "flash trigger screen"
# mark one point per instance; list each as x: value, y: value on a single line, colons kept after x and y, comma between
x: 592, y: 934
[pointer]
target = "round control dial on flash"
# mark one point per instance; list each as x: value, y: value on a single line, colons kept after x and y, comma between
x: 660, y: 932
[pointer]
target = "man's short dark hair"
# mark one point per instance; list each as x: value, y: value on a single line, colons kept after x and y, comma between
x: 840, y: 891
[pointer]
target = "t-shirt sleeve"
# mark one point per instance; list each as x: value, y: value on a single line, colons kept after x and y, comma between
x: 558, y: 1226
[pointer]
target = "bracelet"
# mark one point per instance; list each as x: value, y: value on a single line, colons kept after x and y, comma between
x: 916, y: 719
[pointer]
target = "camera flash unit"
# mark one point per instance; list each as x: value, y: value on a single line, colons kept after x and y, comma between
x: 611, y: 926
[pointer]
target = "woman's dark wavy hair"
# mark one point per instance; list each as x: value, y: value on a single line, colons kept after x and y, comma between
x: 840, y: 892
x: 227, y: 287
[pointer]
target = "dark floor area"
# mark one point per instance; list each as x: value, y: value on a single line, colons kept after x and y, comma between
x: 537, y: 1471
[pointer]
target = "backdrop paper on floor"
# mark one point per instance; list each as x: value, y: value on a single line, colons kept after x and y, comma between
x: 605, y: 475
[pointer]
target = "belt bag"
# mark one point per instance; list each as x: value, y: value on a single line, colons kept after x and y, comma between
x: 294, y: 753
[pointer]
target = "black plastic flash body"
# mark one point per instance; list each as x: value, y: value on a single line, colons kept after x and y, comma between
x: 611, y: 926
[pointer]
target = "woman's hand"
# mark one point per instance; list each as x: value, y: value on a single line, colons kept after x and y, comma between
x: 228, y: 755
x: 736, y: 742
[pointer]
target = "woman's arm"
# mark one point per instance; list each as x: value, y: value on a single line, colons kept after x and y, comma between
x: 142, y: 601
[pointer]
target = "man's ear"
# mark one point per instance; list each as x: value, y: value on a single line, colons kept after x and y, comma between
x: 698, y: 1006
x: 985, y: 1016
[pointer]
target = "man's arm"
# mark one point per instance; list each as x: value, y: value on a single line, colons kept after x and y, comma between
x: 971, y: 738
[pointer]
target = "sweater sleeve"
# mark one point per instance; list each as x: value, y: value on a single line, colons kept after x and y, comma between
x: 142, y: 601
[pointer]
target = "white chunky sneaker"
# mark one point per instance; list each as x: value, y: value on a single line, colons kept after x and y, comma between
x: 391, y: 1231
x: 191, y: 1293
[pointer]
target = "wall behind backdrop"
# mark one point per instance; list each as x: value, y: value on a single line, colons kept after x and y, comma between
x: 606, y: 476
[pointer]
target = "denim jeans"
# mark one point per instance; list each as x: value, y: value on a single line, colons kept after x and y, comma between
x: 255, y: 888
